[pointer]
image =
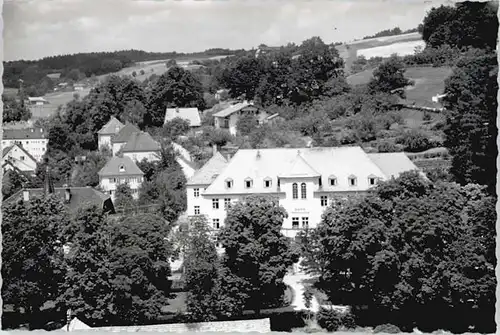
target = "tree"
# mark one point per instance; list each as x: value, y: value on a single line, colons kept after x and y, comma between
x: 123, y: 198
x: 129, y: 262
x: 176, y: 88
x: 134, y: 112
x: 170, y: 63
x: 468, y: 24
x: 407, y: 257
x: 86, y: 173
x: 257, y: 255
x: 12, y: 182
x: 247, y: 123
x: 13, y: 111
x: 388, y: 77
x: 201, y: 272
x: 32, y: 267
x: 243, y: 77
x: 470, y: 129
x: 175, y: 127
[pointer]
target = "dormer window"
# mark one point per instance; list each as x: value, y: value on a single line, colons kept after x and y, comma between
x: 352, y: 180
x: 267, y: 182
x: 372, y: 180
x: 248, y: 182
x: 332, y: 181
x: 122, y: 168
x: 229, y: 183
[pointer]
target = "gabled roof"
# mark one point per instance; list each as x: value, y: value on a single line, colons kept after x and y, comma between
x: 192, y: 115
x: 338, y: 161
x: 141, y: 142
x: 233, y: 109
x: 299, y: 168
x: 393, y: 164
x: 37, y: 99
x: 79, y: 196
x: 112, y: 127
x: 125, y: 133
x: 205, y: 175
x: 5, y: 151
x: 120, y: 166
x: 24, y: 134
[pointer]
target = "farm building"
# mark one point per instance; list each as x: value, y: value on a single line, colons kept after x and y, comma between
x: 192, y: 115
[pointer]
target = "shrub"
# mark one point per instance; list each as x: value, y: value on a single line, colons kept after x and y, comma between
x: 387, y: 328
x: 414, y: 141
x: 332, y: 320
x: 427, y: 116
x: 387, y: 146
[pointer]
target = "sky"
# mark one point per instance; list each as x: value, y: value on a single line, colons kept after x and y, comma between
x: 38, y: 28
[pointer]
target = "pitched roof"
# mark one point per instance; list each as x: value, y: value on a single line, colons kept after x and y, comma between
x: 112, y: 127
x: 125, y: 133
x: 214, y: 166
x: 6, y: 150
x: 299, y: 168
x: 79, y: 196
x: 141, y: 142
x: 338, y: 162
x: 189, y: 114
x: 120, y: 166
x: 393, y: 164
x: 232, y: 109
x: 24, y: 134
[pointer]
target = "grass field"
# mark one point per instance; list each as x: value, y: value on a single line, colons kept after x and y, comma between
x: 429, y: 81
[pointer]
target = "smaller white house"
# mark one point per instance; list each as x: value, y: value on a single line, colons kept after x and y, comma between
x: 33, y: 140
x: 192, y: 115
x: 15, y: 157
x: 122, y: 137
x: 107, y: 132
x: 228, y: 118
x: 120, y: 170
x: 37, y: 101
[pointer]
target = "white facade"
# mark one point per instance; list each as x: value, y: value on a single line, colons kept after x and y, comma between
x: 35, y: 147
x: 230, y: 122
x: 18, y: 159
x: 138, y: 156
x: 109, y: 184
x: 104, y: 141
x: 117, y: 147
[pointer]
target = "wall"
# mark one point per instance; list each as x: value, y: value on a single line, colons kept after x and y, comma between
x: 20, y: 160
x: 150, y: 156
x: 107, y: 184
x: 104, y: 140
x: 117, y: 147
x: 259, y: 325
x: 35, y: 147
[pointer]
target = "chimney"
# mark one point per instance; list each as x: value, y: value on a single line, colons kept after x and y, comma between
x: 67, y: 195
x: 214, y: 149
x: 177, y: 109
x: 26, y: 195
x: 258, y: 154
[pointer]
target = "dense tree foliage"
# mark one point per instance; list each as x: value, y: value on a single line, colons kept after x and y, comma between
x: 123, y: 198
x: 393, y: 32
x: 86, y: 173
x: 468, y: 24
x: 257, y: 255
x: 470, y: 129
x: 32, y: 263
x: 175, y: 127
x: 176, y: 88
x: 413, y: 254
x: 117, y: 271
x: 13, y: 110
x: 388, y: 77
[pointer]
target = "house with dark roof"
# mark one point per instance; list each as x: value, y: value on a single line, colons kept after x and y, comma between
x: 192, y: 115
x: 105, y: 134
x: 123, y: 136
x: 33, y: 140
x: 141, y: 146
x: 228, y: 118
x: 15, y: 157
x: 73, y: 197
x: 305, y: 180
x: 120, y: 170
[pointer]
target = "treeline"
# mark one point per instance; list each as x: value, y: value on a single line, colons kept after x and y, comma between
x: 394, y: 31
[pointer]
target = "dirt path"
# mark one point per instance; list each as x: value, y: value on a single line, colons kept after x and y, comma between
x: 296, y: 280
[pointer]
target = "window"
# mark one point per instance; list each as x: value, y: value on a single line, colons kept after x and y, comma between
x: 372, y: 181
x: 295, y: 191
x: 352, y: 181
x: 215, y: 203
x: 196, y: 210
x: 114, y: 180
x: 305, y: 222
x: 267, y: 182
x: 333, y: 181
x: 227, y: 202
x: 216, y: 223
x: 196, y: 192
x: 303, y: 193
x: 248, y: 183
x: 324, y: 201
x: 229, y: 183
x: 22, y: 158
x: 295, y: 223
x: 122, y: 168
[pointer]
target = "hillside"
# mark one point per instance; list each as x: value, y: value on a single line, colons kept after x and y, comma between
x: 380, y: 46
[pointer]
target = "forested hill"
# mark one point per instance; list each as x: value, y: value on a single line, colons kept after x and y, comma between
x: 88, y: 64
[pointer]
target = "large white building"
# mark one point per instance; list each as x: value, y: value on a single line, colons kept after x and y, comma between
x: 304, y: 180
x: 120, y: 170
x: 110, y: 129
x: 33, y: 140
